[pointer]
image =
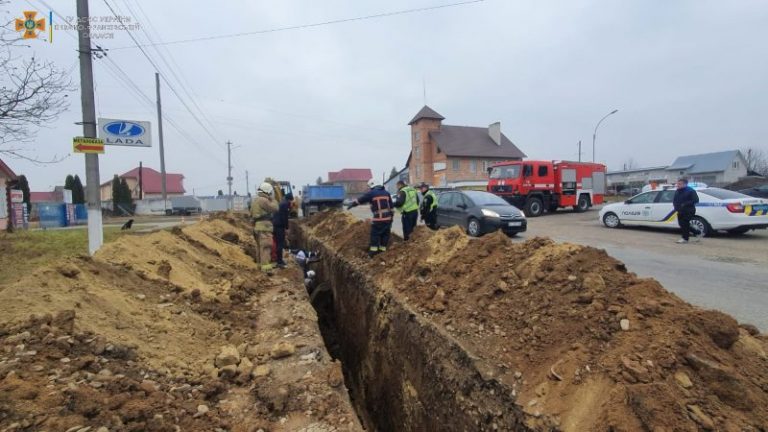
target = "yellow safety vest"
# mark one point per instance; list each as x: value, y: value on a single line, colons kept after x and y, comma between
x: 411, y: 200
x: 434, y: 199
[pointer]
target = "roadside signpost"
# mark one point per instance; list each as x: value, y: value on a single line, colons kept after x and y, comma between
x: 120, y: 132
x: 88, y: 145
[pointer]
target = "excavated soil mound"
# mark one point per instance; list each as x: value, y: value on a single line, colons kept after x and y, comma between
x: 585, y: 345
x: 173, y: 330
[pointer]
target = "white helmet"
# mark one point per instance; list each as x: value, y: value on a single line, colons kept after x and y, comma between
x: 311, y: 274
x: 371, y: 183
x: 266, y: 188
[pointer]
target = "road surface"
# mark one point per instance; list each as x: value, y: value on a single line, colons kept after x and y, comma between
x: 728, y: 273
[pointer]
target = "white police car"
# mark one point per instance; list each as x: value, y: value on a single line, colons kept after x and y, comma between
x: 717, y: 210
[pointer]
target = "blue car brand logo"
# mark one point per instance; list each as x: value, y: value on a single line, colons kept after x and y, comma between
x: 124, y: 129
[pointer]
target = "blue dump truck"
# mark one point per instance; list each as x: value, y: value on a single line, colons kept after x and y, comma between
x: 321, y: 197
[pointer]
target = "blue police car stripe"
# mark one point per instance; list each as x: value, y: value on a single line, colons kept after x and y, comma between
x: 756, y: 210
x: 669, y: 216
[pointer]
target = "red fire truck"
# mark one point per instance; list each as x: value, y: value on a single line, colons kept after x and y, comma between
x: 539, y: 186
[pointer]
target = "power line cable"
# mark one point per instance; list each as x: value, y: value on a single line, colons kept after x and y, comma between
x: 170, y: 85
x: 318, y: 24
x: 180, y: 78
x: 117, y: 72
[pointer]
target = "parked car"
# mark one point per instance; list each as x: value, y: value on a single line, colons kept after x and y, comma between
x: 479, y: 213
x: 757, y: 191
x: 717, y: 210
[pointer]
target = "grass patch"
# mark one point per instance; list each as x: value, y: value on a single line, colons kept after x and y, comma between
x: 23, y: 252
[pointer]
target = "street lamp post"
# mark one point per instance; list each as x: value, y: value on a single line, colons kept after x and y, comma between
x: 594, y: 134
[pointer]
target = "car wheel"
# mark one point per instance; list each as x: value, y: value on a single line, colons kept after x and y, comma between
x: 534, y: 207
x: 511, y: 234
x: 582, y: 205
x: 611, y: 220
x: 701, y: 225
x: 738, y: 231
x: 473, y: 227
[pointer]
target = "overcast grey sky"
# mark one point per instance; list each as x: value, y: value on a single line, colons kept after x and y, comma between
x: 686, y: 76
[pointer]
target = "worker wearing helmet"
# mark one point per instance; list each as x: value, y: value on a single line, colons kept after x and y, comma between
x: 263, y: 208
x: 428, y: 206
x: 383, y: 211
x: 408, y: 204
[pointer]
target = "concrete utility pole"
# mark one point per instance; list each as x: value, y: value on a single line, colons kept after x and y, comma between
x: 95, y: 231
x: 579, y: 150
x: 229, y: 174
x: 160, y: 135
x: 141, y: 180
x: 247, y: 184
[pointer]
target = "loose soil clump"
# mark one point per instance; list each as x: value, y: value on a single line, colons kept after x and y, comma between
x: 584, y: 344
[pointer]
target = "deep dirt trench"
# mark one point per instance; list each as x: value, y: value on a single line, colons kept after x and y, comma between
x: 402, y: 372
x: 446, y: 334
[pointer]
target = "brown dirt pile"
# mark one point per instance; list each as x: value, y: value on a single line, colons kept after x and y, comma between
x: 586, y: 345
x: 167, y: 331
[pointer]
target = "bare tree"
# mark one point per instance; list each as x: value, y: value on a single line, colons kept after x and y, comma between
x: 32, y: 94
x: 631, y: 163
x: 757, y: 161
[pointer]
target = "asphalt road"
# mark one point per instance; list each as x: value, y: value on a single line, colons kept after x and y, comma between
x: 728, y: 273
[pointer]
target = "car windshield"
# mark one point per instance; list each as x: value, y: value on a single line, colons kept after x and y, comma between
x: 485, y: 199
x: 723, y: 194
x: 505, y: 172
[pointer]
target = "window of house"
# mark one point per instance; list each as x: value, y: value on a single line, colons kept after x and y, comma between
x: 473, y: 166
x: 455, y: 164
x: 416, y: 136
x: 417, y: 150
x: 543, y: 171
x: 736, y: 164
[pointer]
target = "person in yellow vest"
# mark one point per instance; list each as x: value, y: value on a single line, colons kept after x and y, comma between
x: 428, y: 206
x: 263, y: 208
x: 408, y: 204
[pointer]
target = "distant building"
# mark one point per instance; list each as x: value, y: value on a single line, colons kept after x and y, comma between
x: 638, y: 177
x: 714, y: 169
x: 6, y: 176
x: 151, y: 181
x: 442, y: 155
x: 354, y: 180
x: 55, y: 196
x: 391, y: 184
x: 717, y: 169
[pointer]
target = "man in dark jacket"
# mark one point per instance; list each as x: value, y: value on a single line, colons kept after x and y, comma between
x: 279, y: 228
x: 383, y: 212
x: 428, y: 206
x: 685, y: 204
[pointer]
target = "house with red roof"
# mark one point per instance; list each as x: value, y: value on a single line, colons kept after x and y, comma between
x: 6, y: 177
x: 146, y: 183
x: 354, y: 180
